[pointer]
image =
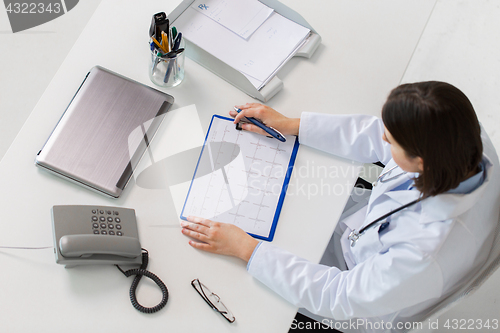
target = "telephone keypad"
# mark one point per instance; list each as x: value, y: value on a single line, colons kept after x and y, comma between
x: 105, y: 225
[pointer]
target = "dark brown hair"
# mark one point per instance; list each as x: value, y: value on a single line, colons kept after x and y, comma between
x: 435, y: 121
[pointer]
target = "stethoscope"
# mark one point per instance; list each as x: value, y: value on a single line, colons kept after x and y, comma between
x: 382, y: 179
x: 354, y: 235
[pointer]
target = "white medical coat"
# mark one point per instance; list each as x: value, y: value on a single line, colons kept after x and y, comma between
x: 428, y: 250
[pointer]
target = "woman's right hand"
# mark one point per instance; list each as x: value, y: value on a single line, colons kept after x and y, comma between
x: 267, y: 115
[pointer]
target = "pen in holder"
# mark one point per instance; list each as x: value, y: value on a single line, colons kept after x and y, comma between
x: 166, y: 69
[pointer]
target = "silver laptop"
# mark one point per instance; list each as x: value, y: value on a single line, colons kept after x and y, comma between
x: 104, y: 132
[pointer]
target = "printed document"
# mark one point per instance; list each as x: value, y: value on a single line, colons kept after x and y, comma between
x: 260, y: 57
x: 242, y: 17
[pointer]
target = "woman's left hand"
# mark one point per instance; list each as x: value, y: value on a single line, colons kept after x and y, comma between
x: 221, y: 238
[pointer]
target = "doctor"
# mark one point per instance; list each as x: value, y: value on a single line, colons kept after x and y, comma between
x: 440, y: 182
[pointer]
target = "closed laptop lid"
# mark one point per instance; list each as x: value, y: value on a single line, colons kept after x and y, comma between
x: 104, y: 131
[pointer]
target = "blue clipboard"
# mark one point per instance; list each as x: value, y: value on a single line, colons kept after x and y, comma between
x: 200, y: 171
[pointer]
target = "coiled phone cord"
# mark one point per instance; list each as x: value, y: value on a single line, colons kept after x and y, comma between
x: 139, y: 272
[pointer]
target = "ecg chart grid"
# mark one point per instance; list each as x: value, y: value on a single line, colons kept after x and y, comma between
x: 246, y: 181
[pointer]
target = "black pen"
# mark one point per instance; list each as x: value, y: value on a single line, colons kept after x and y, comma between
x: 269, y: 130
x: 172, y: 54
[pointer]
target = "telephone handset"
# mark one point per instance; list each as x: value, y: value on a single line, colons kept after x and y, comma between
x: 85, y: 246
x: 95, y: 235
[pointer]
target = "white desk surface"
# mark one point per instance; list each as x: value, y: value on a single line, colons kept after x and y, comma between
x: 365, y: 50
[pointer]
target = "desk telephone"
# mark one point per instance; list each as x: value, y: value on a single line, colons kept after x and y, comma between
x: 95, y: 235
x: 85, y: 235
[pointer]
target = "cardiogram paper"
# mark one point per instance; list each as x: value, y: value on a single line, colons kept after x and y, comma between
x: 240, y: 178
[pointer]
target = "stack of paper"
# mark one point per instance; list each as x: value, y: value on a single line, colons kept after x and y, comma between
x: 245, y: 34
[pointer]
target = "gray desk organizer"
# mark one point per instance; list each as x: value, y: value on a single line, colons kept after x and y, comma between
x: 233, y: 76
